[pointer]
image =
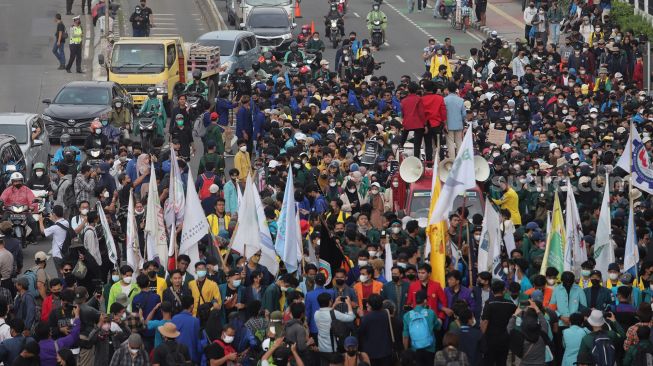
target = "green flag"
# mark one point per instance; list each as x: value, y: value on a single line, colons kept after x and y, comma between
x: 555, y: 245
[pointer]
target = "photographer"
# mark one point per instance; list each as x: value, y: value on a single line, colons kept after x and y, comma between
x: 279, y: 354
x: 529, y: 339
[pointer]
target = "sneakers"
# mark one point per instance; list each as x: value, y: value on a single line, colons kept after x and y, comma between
x: 68, y: 71
x: 61, y: 67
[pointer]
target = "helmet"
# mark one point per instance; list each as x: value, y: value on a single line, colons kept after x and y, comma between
x: 267, y: 55
x: 96, y: 124
x: 294, y: 47
x: 65, y: 138
x: 39, y: 166
x: 117, y: 102
x: 306, y: 28
x: 16, y: 176
x: 137, y: 9
x: 197, y: 74
x: 151, y: 91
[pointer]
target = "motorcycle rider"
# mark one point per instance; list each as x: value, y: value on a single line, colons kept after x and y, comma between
x: 323, y: 73
x: 305, y: 35
x: 268, y: 63
x: 155, y: 105
x: 197, y: 85
x: 294, y: 54
x: 316, y: 46
x: 376, y: 14
x: 120, y: 117
x: 334, y: 14
x: 18, y: 194
x: 112, y: 133
x: 257, y: 73
x: 96, y: 140
x: 39, y: 179
x: 67, y: 152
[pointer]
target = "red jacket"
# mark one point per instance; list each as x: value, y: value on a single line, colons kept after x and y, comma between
x: 638, y: 75
x: 412, y: 110
x: 434, y: 109
x: 436, y: 297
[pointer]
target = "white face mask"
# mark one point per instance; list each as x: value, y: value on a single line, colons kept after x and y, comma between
x: 98, y: 131
x: 106, y: 194
x: 372, y: 253
x: 477, y: 238
x: 364, y: 53
x: 402, y: 265
x: 243, y: 148
x: 133, y: 351
x: 395, y: 184
x: 296, y: 166
x: 84, y: 211
x: 613, y: 276
x: 127, y: 279
x: 39, y: 174
x: 396, y: 230
x: 352, y: 190
x: 374, y: 191
x: 362, y: 263
x: 363, y: 278
x: 333, y: 184
x: 551, y: 281
x: 228, y: 339
x: 506, y: 270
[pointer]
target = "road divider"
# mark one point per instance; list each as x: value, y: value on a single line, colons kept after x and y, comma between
x: 211, y: 15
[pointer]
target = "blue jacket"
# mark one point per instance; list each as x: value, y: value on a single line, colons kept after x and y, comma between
x: 25, y: 308
x: 11, y: 348
x: 240, y: 292
x: 222, y: 107
x: 353, y: 100
x: 189, y: 327
x: 312, y: 306
x: 259, y: 124
x: 319, y: 205
x: 147, y: 300
x: 571, y: 338
x: 230, y: 198
x: 568, y: 304
x: 244, y: 122
x: 395, y: 104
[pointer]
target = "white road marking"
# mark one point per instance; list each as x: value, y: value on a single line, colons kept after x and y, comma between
x: 87, y: 47
x: 356, y: 15
x: 411, y: 21
x: 400, y: 59
x: 386, y: 44
x: 474, y: 36
x: 417, y: 76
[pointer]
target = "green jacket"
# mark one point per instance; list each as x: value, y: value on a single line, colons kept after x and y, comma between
x: 377, y: 15
x: 156, y: 105
x: 615, y: 335
x: 116, y: 289
x: 643, y: 346
x: 433, y: 322
x: 314, y: 46
x: 202, y: 85
x: 271, y: 298
x: 215, y: 158
x: 214, y: 132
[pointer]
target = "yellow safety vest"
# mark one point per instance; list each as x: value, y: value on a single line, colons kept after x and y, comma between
x: 75, y: 35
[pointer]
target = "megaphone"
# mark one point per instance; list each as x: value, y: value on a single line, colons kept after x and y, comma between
x: 444, y: 168
x: 481, y: 169
x: 411, y: 169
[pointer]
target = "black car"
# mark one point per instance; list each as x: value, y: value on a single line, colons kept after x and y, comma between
x: 272, y: 27
x: 11, y: 159
x: 76, y: 105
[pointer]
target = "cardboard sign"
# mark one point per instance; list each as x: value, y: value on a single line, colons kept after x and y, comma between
x: 496, y: 137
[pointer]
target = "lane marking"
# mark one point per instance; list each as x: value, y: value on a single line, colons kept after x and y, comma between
x: 356, y: 15
x: 386, y: 44
x: 417, y: 76
x: 507, y: 16
x: 471, y: 34
x: 412, y: 22
x: 400, y: 59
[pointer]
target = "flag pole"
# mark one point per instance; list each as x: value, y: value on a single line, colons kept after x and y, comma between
x: 630, y: 190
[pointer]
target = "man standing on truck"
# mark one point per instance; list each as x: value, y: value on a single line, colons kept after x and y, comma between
x: 76, y: 37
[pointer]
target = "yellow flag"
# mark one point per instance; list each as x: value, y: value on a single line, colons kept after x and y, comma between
x: 437, y: 235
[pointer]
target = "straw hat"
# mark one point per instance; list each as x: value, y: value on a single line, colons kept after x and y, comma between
x: 169, y: 330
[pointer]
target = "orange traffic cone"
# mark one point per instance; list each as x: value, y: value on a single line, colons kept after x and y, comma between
x: 298, y: 11
x: 312, y: 27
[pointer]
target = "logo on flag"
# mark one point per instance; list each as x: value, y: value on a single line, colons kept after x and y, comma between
x: 643, y: 174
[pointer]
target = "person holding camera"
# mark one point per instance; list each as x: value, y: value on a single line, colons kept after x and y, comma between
x: 531, y: 332
x: 49, y: 347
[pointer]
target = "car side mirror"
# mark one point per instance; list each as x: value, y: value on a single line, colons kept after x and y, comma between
x: 46, y: 101
x: 293, y: 25
x: 100, y: 59
x: 37, y: 143
x: 242, y: 53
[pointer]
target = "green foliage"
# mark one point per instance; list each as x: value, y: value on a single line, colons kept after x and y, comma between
x: 624, y: 15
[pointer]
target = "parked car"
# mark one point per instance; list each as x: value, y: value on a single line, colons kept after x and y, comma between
x: 11, y: 159
x: 272, y: 27
x: 76, y: 105
x: 237, y: 49
x: 31, y: 135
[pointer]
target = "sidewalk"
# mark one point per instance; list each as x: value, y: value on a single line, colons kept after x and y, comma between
x: 506, y: 18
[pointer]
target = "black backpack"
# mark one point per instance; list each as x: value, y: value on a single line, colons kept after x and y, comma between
x: 70, y: 235
x: 338, y: 332
x: 176, y: 358
x: 643, y: 355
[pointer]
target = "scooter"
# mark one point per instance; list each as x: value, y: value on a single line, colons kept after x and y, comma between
x: 146, y: 127
x: 17, y: 215
x: 195, y: 102
x: 377, y: 34
x: 41, y: 198
x: 334, y: 33
x: 94, y: 156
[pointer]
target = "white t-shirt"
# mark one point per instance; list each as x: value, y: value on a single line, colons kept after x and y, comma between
x: 58, y: 237
x: 5, y: 332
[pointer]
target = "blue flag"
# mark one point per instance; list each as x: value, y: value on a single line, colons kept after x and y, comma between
x: 288, y: 242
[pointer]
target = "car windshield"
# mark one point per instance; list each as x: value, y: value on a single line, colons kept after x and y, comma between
x: 275, y: 20
x: 267, y: 2
x: 226, y: 46
x: 83, y: 96
x: 18, y: 131
x: 137, y: 58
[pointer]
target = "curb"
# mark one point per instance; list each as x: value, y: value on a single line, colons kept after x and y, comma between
x: 211, y: 14
x: 100, y: 46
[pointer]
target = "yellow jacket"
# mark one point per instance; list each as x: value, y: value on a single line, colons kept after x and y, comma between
x: 436, y: 61
x: 510, y: 202
x: 243, y: 164
x: 210, y: 292
x: 214, y: 223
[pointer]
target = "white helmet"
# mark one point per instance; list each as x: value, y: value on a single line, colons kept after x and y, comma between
x: 16, y: 176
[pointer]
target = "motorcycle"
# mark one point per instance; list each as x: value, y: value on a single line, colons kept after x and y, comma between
x: 17, y: 215
x: 41, y: 197
x: 147, y: 127
x: 334, y: 33
x: 377, y: 34
x: 195, y: 103
x: 341, y: 6
x: 293, y: 69
x: 94, y: 156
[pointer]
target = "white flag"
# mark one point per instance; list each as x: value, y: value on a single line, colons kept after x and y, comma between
x: 509, y: 235
x: 289, y: 238
x: 490, y: 239
x: 174, y: 207
x: 460, y: 178
x: 195, y: 224
x: 637, y: 164
x: 111, y: 244
x: 575, y: 248
x: 388, y: 262
x: 603, y: 249
x: 155, y: 230
x: 631, y: 257
x: 134, y: 257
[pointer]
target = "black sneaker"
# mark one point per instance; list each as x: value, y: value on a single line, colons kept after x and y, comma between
x: 61, y: 67
x: 80, y: 71
x: 68, y: 71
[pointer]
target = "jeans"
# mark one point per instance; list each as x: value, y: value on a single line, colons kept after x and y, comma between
x: 58, y: 52
x: 411, y: 5
x: 554, y: 32
x: 138, y: 32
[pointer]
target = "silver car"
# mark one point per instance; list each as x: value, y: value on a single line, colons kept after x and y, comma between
x: 238, y: 49
x: 31, y: 135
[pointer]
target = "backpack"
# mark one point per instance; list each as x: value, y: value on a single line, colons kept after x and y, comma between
x: 603, y: 350
x: 31, y: 278
x: 643, y: 355
x: 420, y: 334
x: 338, y: 332
x: 206, y: 184
x: 70, y: 235
x: 451, y: 358
x: 69, y: 196
x: 175, y: 358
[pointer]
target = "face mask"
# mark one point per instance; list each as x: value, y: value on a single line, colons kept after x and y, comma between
x: 83, y: 211
x: 613, y: 276
x: 351, y: 190
x: 594, y: 115
x: 228, y: 339
x: 596, y: 283
x: 133, y: 351
x: 396, y: 230
x: 340, y: 281
x: 123, y: 316
x: 98, y: 131
x: 395, y: 184
x: 201, y: 274
x: 236, y: 283
x: 332, y: 184
x: 526, y: 107
x: 284, y: 289
x: 115, y: 278
x: 508, y: 118
x: 363, y: 278
x: 127, y: 279
x: 352, y: 352
x: 540, y: 98
x: 296, y: 165
x: 551, y: 281
x: 180, y: 122
x: 118, y: 105
x: 506, y: 270
x: 139, y: 212
x: 477, y: 238
x: 362, y: 263
x: 564, y: 111
x: 106, y: 194
x: 364, y: 53
x: 243, y: 148
x: 106, y: 327
x: 39, y: 174
x: 585, y: 273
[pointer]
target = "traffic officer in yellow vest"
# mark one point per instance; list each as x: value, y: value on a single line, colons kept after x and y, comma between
x: 76, y: 38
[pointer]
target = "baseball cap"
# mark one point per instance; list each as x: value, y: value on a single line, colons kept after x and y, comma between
x: 214, y: 188
x: 40, y: 257
x: 273, y: 164
x: 214, y: 116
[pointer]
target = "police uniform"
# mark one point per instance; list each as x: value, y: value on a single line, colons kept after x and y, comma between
x: 76, y: 38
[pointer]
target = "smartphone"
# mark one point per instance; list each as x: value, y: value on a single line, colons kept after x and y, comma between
x: 524, y: 304
x: 343, y: 299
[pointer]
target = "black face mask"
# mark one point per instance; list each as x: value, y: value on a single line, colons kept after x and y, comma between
x: 410, y: 276
x: 596, y: 283
x: 352, y: 352
x: 395, y: 278
x: 340, y: 281
x: 151, y: 274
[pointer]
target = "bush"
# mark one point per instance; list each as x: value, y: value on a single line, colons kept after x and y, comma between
x: 624, y: 15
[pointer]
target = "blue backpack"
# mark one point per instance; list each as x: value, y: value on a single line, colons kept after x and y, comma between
x: 419, y: 331
x: 31, y: 278
x: 603, y: 350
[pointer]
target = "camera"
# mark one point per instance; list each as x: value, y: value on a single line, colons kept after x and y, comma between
x: 343, y: 299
